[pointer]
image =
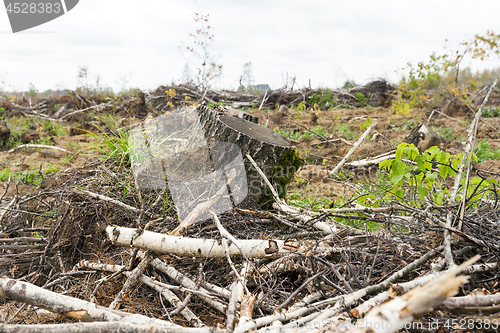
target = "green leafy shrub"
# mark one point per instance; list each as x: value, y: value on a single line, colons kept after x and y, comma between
x: 4, y: 174
x: 484, y: 153
x: 345, y: 132
x: 415, y: 177
x: 366, y: 124
x: 491, y: 112
x: 360, y: 97
x: 322, y: 97
x: 29, y: 177
x: 447, y: 133
x: 297, y: 135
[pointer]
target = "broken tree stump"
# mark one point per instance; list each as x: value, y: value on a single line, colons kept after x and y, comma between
x: 422, y: 137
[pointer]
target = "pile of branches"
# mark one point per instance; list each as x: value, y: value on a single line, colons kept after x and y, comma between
x: 377, y: 93
x: 91, y: 247
x: 74, y: 107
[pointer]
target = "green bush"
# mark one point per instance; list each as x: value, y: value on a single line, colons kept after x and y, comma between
x: 484, y: 153
x: 360, y: 97
x: 322, y: 97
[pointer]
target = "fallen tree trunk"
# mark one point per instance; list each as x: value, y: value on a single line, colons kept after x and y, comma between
x: 208, y: 248
x: 71, y: 307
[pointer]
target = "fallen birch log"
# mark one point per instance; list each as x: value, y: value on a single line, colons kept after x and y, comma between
x: 471, y: 301
x: 104, y: 327
x: 71, y: 307
x: 209, y: 248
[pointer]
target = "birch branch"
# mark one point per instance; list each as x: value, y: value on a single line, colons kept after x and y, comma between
x: 208, y: 248
x: 470, y: 301
x: 162, y: 288
x: 132, y: 279
x: 188, y: 283
x: 225, y: 237
x: 231, y: 309
x: 471, y: 140
x: 246, y: 312
x: 471, y: 131
x: 70, y: 307
x: 89, y: 108
x: 351, y: 151
x: 29, y: 145
x: 350, y: 299
x: 104, y: 327
x: 263, y: 176
x: 105, y: 198
x: 419, y: 300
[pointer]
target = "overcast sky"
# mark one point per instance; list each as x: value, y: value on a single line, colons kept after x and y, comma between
x: 326, y: 42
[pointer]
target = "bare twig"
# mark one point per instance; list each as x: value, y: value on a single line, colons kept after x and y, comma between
x: 356, y: 145
x: 105, y: 198
x: 131, y: 280
x: 89, y: 108
x: 35, y: 146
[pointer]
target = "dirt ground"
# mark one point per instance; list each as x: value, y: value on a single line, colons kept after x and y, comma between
x: 73, y: 224
x: 313, y: 178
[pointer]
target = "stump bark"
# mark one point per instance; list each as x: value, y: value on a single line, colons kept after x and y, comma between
x: 422, y: 137
x: 272, y: 152
x: 4, y: 133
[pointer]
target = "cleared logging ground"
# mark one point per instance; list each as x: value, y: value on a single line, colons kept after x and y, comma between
x: 86, y: 242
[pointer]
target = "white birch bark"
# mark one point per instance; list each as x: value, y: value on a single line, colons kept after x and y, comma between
x: 209, y: 248
x: 71, y: 307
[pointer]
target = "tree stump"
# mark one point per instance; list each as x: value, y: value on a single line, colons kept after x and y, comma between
x: 422, y: 137
x: 4, y: 134
x: 272, y: 152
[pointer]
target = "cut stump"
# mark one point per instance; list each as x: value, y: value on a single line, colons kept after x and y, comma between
x: 422, y: 137
x: 272, y: 152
